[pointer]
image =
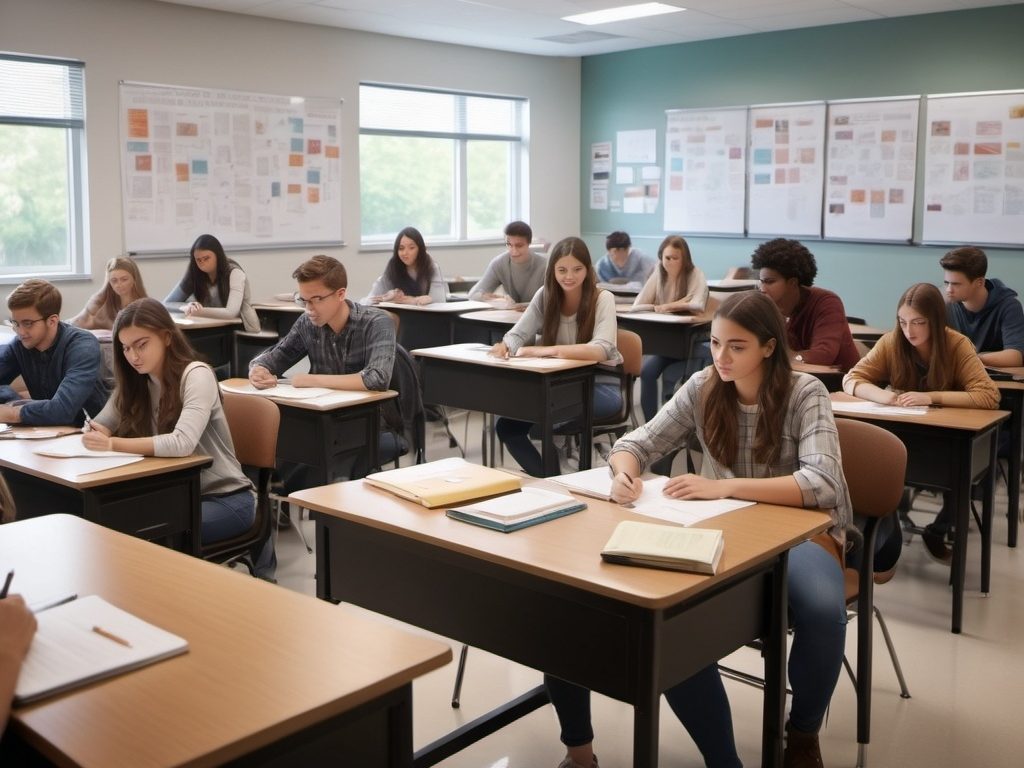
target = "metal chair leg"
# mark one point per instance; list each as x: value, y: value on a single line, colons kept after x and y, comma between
x: 904, y: 693
x: 457, y: 691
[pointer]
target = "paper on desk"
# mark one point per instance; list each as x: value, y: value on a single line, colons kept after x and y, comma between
x: 482, y: 353
x: 71, y: 447
x: 283, y: 391
x: 845, y: 406
x: 653, y: 503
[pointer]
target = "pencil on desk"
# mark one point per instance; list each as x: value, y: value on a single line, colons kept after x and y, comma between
x: 111, y: 636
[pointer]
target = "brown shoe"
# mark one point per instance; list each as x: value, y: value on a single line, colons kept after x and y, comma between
x: 802, y: 750
x: 568, y: 762
x: 884, y: 577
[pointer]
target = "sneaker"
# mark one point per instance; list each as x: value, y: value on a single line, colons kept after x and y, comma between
x: 802, y: 750
x: 935, y: 544
x: 568, y: 762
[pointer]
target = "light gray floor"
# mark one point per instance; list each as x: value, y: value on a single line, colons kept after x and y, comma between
x: 967, y: 700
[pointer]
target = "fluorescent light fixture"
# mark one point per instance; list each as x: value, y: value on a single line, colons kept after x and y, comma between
x: 622, y: 13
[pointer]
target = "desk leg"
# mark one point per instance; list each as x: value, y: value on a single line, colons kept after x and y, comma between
x: 988, y: 502
x: 775, y: 668
x: 645, y: 732
x: 1013, y: 481
x: 587, y: 436
x: 960, y: 498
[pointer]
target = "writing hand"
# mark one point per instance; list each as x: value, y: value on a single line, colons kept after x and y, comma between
x: 96, y: 441
x: 499, y: 350
x: 626, y: 489
x: 262, y: 378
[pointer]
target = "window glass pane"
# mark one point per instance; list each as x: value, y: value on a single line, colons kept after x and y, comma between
x: 32, y: 89
x: 34, y: 198
x: 406, y: 182
x: 488, y: 178
x: 494, y: 116
x: 388, y: 108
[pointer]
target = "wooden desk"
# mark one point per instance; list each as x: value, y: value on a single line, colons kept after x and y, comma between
x: 1012, y: 393
x: 949, y: 448
x: 866, y: 333
x: 319, y: 432
x: 487, y: 326
x: 271, y: 677
x: 732, y: 285
x: 460, y: 283
x: 664, y: 334
x: 524, y: 596
x: 277, y: 315
x: 429, y: 325
x: 212, y: 338
x: 829, y: 375
x: 545, y: 396
x: 154, y: 499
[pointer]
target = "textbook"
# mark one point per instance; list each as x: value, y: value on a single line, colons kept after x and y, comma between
x: 87, y: 640
x: 445, y: 482
x: 517, y: 510
x: 665, y: 546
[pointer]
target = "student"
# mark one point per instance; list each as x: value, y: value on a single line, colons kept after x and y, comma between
x: 924, y: 363
x: 213, y: 286
x: 410, y: 276
x: 816, y: 325
x: 768, y: 435
x: 17, y: 628
x: 59, y: 363
x: 349, y: 346
x: 575, y: 320
x: 167, y: 403
x: 985, y: 311
x: 518, y: 270
x: 623, y: 263
x: 124, y: 285
x: 675, y: 286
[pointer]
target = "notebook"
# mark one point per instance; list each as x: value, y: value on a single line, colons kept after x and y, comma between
x: 665, y: 546
x: 513, y: 511
x: 445, y: 483
x: 87, y: 640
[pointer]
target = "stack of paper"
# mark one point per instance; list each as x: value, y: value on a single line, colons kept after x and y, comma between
x: 445, y: 482
x: 665, y: 546
x: 517, y: 510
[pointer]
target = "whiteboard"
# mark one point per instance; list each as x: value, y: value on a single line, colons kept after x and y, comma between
x: 255, y: 170
x: 705, y: 170
x: 786, y: 169
x: 871, y: 164
x: 974, y: 169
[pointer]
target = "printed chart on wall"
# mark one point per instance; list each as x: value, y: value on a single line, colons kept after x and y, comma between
x: 705, y: 170
x: 256, y: 170
x: 786, y: 169
x: 872, y: 159
x: 974, y: 169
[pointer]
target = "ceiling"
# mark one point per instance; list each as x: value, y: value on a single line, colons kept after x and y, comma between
x: 536, y: 27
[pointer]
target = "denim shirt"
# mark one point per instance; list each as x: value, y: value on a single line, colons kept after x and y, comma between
x: 61, y: 381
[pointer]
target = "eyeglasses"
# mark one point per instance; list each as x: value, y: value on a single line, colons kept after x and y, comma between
x: 314, y: 300
x: 917, y: 322
x: 26, y: 324
x: 136, y: 349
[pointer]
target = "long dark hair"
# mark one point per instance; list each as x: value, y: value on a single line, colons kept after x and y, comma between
x: 197, y: 283
x: 398, y: 275
x: 554, y: 298
x: 926, y: 299
x: 111, y: 303
x: 131, y: 389
x: 754, y: 312
x: 666, y: 292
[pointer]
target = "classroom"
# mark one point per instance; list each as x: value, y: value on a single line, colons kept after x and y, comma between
x: 962, y: 708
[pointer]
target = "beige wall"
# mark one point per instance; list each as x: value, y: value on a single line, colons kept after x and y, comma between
x: 158, y: 42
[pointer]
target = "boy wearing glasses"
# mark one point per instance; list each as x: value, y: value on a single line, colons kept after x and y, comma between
x: 59, y: 363
x: 518, y: 270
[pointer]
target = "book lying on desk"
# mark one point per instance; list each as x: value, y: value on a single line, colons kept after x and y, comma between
x: 517, y: 510
x: 665, y: 546
x: 87, y: 640
x: 445, y: 482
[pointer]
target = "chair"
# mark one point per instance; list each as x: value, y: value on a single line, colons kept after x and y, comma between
x: 253, y: 422
x: 404, y: 417
x: 630, y: 346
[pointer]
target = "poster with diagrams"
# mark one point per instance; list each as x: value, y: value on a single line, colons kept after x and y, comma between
x: 705, y: 170
x: 974, y: 169
x: 870, y: 168
x: 255, y: 170
x: 785, y: 169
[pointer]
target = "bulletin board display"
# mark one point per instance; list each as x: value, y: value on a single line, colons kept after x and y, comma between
x: 785, y: 169
x: 705, y: 170
x: 974, y: 169
x: 255, y: 170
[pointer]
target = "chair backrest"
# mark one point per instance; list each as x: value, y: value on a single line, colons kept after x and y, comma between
x: 631, y: 348
x: 254, y: 423
x: 875, y: 465
x: 404, y: 415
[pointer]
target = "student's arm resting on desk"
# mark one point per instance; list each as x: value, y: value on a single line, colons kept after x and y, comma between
x: 1011, y: 329
x: 87, y: 317
x: 271, y: 363
x: 17, y: 628
x: 488, y: 283
x: 81, y: 371
x: 974, y: 388
x: 696, y: 298
x: 176, y: 300
x: 233, y: 304
x: 377, y: 290
x: 861, y: 380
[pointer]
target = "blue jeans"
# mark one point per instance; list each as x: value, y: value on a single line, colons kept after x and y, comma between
x: 817, y: 609
x: 515, y: 434
x: 227, y: 516
x: 654, y: 366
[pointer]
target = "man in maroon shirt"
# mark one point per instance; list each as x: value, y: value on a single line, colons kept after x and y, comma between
x: 816, y: 325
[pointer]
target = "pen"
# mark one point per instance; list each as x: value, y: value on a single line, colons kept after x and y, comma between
x: 7, y: 584
x: 88, y: 418
x: 39, y: 608
x: 111, y: 636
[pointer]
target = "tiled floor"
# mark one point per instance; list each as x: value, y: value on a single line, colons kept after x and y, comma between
x: 965, y: 711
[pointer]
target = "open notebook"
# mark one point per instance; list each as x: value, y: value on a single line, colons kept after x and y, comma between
x: 87, y: 640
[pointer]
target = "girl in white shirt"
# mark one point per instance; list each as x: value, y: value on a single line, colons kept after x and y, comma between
x: 213, y: 286
x: 410, y: 276
x: 124, y: 285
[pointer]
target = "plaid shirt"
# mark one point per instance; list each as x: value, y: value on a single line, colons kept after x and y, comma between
x: 366, y: 345
x: 809, y: 449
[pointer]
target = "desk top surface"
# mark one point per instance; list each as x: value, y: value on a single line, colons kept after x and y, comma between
x: 625, y: 312
x: 19, y: 455
x: 497, y: 316
x: 866, y: 332
x: 277, y: 304
x: 1010, y: 385
x: 730, y: 284
x: 187, y: 323
x: 263, y: 662
x: 343, y: 398
x: 568, y: 550
x: 969, y: 419
x: 477, y: 354
x: 437, y: 307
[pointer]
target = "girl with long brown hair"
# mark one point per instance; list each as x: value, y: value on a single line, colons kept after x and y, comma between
x: 576, y: 321
x: 768, y: 435
x: 124, y: 285
x: 213, y: 286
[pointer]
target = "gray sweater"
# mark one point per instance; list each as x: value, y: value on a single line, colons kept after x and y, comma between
x: 520, y: 281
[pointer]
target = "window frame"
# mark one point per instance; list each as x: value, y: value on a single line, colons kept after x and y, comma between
x: 518, y: 181
x: 77, y: 203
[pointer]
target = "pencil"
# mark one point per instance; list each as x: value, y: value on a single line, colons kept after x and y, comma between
x: 7, y: 584
x: 111, y: 636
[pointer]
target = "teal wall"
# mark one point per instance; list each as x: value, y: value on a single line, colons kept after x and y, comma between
x: 978, y: 50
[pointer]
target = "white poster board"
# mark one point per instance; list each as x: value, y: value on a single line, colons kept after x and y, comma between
x: 870, y: 169
x: 974, y: 169
x: 255, y: 170
x: 705, y: 170
x: 785, y: 169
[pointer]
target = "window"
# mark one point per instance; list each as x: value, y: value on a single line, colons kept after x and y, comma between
x: 42, y: 166
x: 449, y: 164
